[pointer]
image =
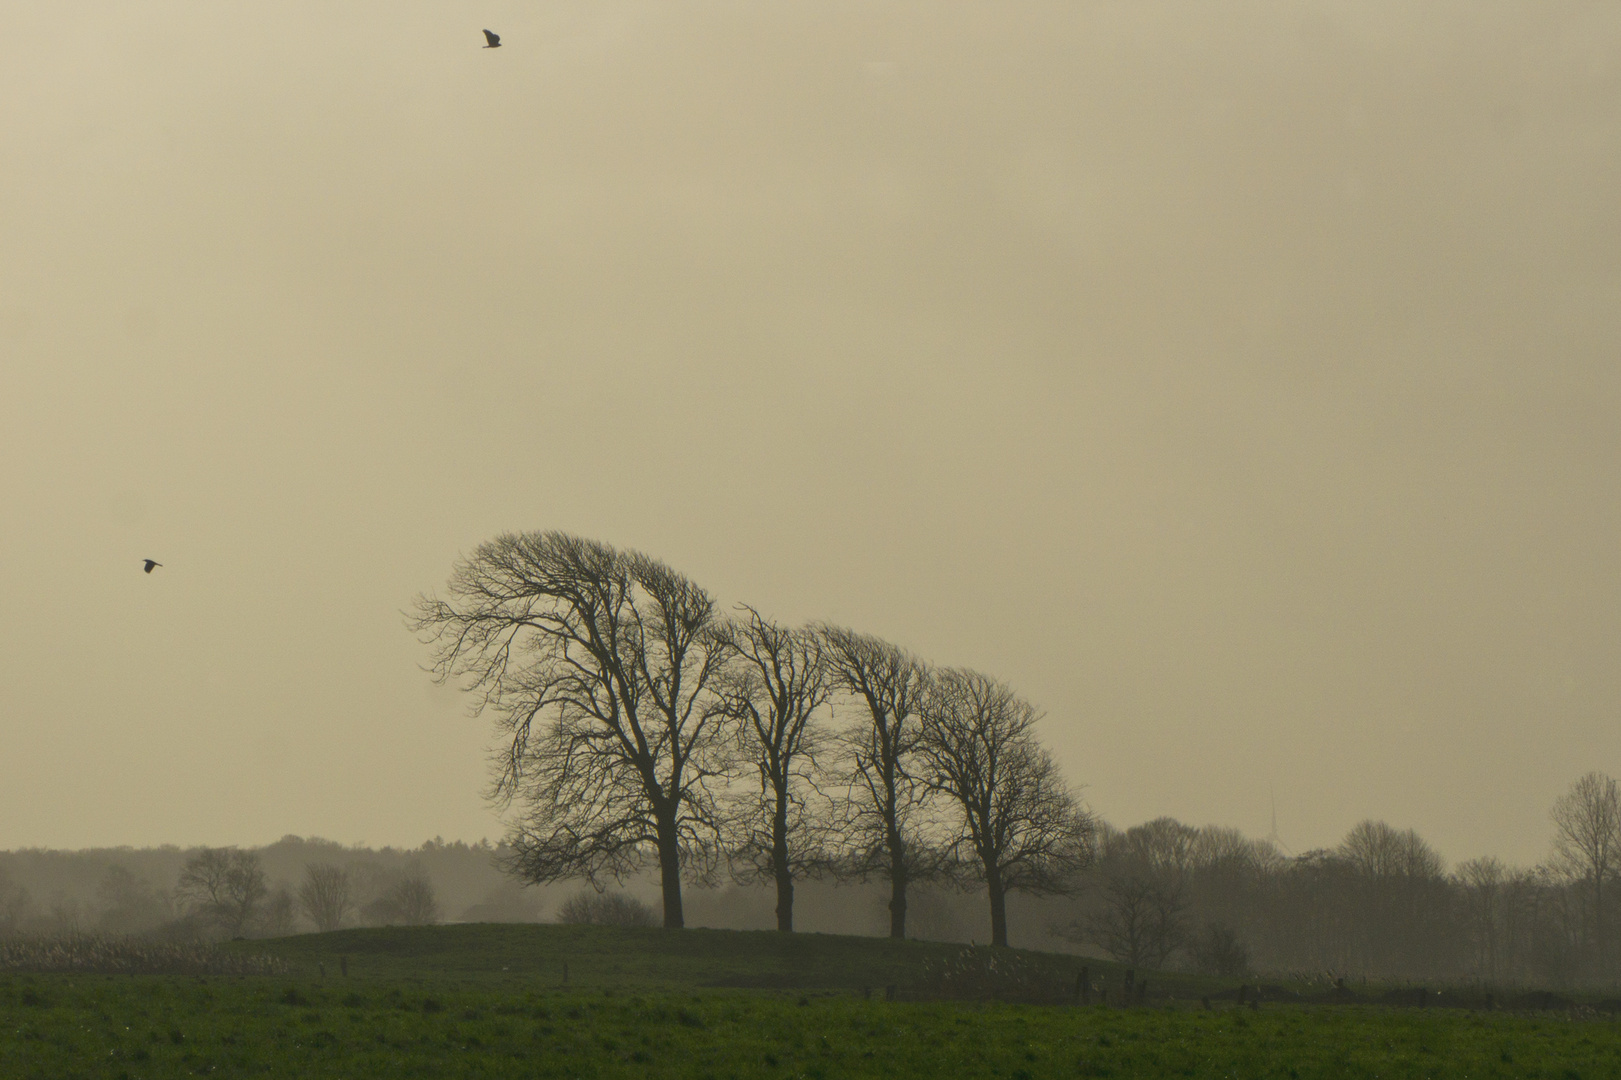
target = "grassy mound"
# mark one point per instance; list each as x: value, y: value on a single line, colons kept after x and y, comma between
x: 598, y: 956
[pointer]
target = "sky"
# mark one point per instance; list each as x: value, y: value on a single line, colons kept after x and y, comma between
x: 1238, y: 381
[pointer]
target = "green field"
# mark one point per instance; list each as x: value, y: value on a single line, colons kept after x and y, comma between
x: 490, y: 1002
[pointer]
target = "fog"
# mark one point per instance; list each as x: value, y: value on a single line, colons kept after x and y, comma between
x: 1238, y: 381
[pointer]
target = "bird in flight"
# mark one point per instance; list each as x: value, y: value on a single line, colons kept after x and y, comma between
x: 150, y: 563
x: 493, y: 38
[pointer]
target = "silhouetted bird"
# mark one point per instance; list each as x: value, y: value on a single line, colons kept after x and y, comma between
x: 493, y: 38
x: 150, y: 564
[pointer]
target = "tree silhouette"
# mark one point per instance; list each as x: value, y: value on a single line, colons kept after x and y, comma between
x: 599, y: 666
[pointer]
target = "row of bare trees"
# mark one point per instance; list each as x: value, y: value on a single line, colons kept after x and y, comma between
x: 641, y: 726
x: 226, y: 889
x: 1381, y: 903
x: 224, y: 892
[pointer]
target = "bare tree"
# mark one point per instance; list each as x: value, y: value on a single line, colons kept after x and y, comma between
x: 1587, y: 847
x: 1399, y: 908
x: 599, y: 666
x: 885, y: 797
x: 1380, y: 851
x: 279, y: 914
x: 1019, y: 828
x: 1144, y: 880
x: 777, y: 685
x: 409, y: 901
x: 225, y: 885
x: 1140, y: 921
x: 325, y: 896
x: 416, y: 901
x: 1218, y: 950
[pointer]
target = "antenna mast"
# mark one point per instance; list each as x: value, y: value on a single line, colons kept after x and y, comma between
x: 1272, y: 837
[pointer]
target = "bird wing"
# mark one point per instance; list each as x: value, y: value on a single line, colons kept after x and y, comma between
x: 492, y: 38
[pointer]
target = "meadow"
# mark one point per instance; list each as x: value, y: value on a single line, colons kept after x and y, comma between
x: 440, y: 1002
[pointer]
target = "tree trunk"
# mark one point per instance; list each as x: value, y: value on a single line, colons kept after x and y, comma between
x: 897, y: 884
x: 993, y: 885
x: 670, y: 874
x: 779, y: 866
x: 785, y: 902
x: 897, y: 903
x: 1601, y: 951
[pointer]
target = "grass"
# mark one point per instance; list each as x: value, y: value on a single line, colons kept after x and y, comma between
x: 489, y: 1001
x: 132, y: 1027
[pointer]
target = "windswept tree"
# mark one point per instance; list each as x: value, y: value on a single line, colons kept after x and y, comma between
x: 777, y: 683
x: 599, y: 666
x: 1587, y: 848
x: 224, y: 885
x: 326, y: 895
x: 884, y: 826
x: 1019, y: 828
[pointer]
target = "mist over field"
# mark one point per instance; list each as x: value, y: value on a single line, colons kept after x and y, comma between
x: 1236, y: 382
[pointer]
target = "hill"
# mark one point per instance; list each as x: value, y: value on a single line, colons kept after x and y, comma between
x: 598, y: 956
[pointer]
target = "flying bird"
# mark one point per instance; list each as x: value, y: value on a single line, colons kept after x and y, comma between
x: 493, y: 38
x: 150, y: 563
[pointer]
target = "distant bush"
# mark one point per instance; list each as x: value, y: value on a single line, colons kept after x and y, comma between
x: 606, y: 909
x: 90, y: 953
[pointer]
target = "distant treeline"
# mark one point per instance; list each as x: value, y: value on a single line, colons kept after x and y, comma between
x: 185, y: 892
x: 1381, y: 904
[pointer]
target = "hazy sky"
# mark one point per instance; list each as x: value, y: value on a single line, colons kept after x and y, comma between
x: 1239, y: 380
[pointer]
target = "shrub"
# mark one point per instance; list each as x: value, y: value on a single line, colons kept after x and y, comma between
x: 606, y: 909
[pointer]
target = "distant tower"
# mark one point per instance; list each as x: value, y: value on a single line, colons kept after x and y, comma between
x: 1272, y: 837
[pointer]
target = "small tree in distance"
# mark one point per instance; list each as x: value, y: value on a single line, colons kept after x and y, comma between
x: 225, y: 886
x: 1587, y: 848
x: 325, y: 896
x: 1218, y: 950
x: 1143, y: 877
x: 410, y: 901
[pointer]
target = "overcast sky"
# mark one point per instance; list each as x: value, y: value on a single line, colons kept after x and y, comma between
x: 1238, y: 380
